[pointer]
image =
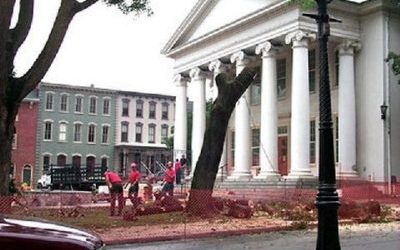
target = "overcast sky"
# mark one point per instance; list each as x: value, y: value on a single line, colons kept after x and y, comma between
x: 107, y: 48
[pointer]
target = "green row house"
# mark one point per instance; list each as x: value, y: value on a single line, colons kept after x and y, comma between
x: 76, y: 126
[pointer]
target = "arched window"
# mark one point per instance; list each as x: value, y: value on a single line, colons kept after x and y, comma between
x: 76, y: 161
x: 61, y: 160
x: 90, y: 164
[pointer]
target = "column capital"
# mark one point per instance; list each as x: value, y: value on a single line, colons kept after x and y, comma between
x: 299, y: 38
x: 180, y: 80
x: 218, y: 67
x: 240, y: 58
x: 197, y: 73
x: 265, y: 49
x: 348, y: 47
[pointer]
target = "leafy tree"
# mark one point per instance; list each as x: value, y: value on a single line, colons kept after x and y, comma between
x: 13, y: 89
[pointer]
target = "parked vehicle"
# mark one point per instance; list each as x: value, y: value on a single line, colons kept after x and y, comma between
x: 72, y: 177
x: 16, y: 234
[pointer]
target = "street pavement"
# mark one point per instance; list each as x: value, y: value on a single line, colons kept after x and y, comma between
x: 369, y: 238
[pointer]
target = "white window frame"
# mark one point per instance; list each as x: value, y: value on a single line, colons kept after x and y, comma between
x: 45, y: 122
x: 108, y: 101
x: 152, y: 133
x: 81, y: 98
x: 91, y: 125
x: 46, y: 105
x: 90, y: 105
x: 80, y: 132
x: 105, y: 127
x: 62, y: 134
x: 64, y: 95
x: 124, y: 125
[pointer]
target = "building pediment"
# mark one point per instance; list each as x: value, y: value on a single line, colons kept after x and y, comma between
x: 208, y: 16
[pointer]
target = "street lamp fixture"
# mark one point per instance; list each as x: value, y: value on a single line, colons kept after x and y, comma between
x: 327, y: 200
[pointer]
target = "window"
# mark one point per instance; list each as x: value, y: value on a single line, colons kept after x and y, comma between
x: 311, y: 70
x: 139, y: 108
x: 78, y: 104
x: 255, y: 92
x: 49, y: 101
x: 125, y: 107
x: 92, y: 105
x: 152, y: 110
x: 164, y: 133
x: 255, y: 148
x: 104, y: 137
x: 77, y: 132
x: 92, y: 133
x: 124, y: 131
x: 46, y: 162
x: 64, y: 103
x: 76, y: 161
x: 281, y: 76
x: 106, y: 106
x: 62, y: 135
x: 336, y: 81
x: 152, y: 133
x: 61, y: 160
x: 164, y: 111
x: 312, y: 142
x: 138, y: 132
x: 337, y: 139
x: 48, y: 127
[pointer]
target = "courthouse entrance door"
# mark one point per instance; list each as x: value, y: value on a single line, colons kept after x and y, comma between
x: 282, y: 155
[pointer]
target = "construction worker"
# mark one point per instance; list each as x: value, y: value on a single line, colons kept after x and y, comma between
x: 114, y: 184
x: 169, y: 179
x: 134, y: 178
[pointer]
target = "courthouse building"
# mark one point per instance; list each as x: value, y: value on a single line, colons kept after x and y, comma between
x: 273, y: 132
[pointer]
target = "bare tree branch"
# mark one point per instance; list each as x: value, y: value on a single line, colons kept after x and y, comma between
x: 39, y: 68
x: 83, y: 5
x: 6, y: 8
x: 21, y: 30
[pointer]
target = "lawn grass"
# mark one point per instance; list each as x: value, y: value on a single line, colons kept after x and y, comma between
x: 98, y: 218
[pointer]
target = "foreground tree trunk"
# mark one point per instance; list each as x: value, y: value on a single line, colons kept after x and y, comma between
x: 208, y: 162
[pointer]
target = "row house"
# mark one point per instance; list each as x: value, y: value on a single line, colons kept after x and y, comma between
x: 23, y: 160
x: 76, y: 125
x: 144, y: 122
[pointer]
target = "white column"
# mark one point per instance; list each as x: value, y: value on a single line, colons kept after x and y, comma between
x: 242, y: 127
x: 269, y: 114
x: 347, y: 110
x: 218, y: 67
x: 198, y: 79
x: 180, y: 129
x: 300, y: 120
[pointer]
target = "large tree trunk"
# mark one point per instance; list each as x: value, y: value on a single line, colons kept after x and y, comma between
x: 208, y: 162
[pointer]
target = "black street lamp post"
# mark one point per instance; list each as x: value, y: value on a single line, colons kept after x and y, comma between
x: 327, y: 200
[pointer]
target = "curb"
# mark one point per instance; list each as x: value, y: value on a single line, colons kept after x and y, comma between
x: 199, y: 235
